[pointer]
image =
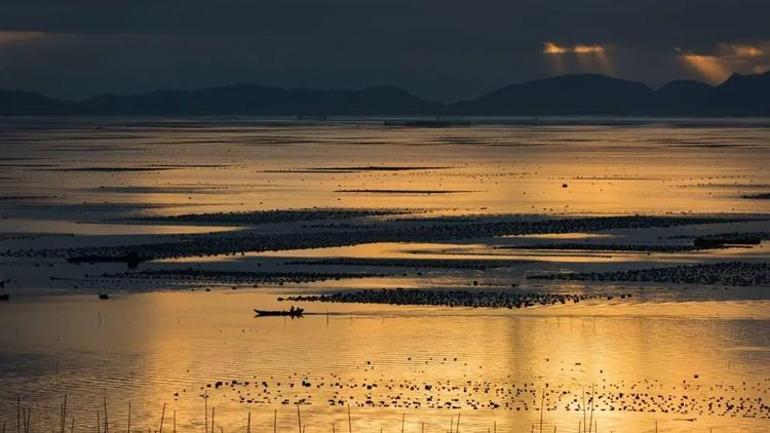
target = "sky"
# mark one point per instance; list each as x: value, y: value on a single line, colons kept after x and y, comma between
x: 439, y: 49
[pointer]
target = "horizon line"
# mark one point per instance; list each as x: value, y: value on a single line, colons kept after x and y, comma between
x: 353, y: 89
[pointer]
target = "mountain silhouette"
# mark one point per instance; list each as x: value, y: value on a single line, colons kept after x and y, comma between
x: 261, y: 100
x: 585, y: 94
x: 19, y: 102
x: 744, y: 95
x: 684, y: 97
x: 581, y: 94
x: 590, y: 94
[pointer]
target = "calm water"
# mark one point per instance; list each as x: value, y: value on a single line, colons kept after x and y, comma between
x: 82, y: 170
x: 148, y: 348
x: 690, y: 359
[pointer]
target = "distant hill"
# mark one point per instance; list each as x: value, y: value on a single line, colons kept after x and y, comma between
x: 590, y: 94
x: 262, y: 100
x: 739, y: 95
x: 19, y: 102
x: 583, y: 94
x: 229, y: 100
x: 743, y: 95
x: 684, y: 97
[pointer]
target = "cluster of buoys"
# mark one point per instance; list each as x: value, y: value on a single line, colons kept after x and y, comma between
x: 277, y: 216
x: 688, y: 398
x: 758, y: 196
x: 238, y: 277
x: 448, y: 298
x: 411, y: 263
x: 722, y: 240
x: 586, y: 246
x: 725, y: 274
x: 421, y: 230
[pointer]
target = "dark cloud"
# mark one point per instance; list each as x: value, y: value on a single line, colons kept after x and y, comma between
x: 443, y: 49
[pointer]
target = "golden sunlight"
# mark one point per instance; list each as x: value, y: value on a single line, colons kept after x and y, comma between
x: 588, y: 49
x: 552, y: 48
x: 711, y: 68
x: 742, y: 51
x: 588, y: 57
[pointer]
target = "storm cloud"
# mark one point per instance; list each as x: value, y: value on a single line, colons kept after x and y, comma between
x: 446, y: 50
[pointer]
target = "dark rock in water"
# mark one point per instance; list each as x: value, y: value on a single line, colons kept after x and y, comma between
x: 5, y: 297
x: 104, y: 296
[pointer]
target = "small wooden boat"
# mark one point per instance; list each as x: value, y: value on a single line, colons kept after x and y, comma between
x: 291, y: 313
x: 104, y: 296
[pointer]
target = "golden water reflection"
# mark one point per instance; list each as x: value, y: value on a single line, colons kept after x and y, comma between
x: 652, y: 168
x: 147, y: 348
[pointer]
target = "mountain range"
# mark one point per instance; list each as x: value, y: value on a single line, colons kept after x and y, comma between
x: 582, y: 94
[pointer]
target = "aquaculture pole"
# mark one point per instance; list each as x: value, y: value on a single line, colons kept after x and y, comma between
x: 162, y: 418
x: 542, y: 403
x: 299, y: 420
x: 350, y: 423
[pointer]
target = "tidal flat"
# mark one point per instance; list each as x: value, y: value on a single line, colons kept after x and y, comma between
x: 506, y: 275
